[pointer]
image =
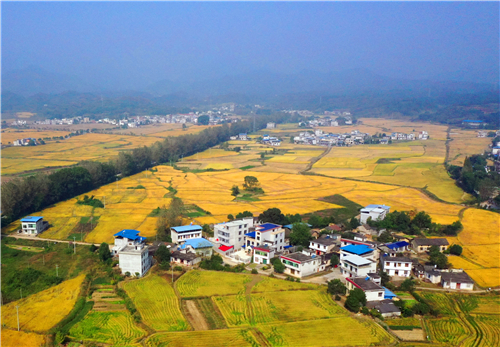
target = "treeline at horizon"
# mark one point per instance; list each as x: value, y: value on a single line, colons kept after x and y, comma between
x: 23, y: 196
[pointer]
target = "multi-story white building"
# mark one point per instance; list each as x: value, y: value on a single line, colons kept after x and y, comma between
x: 132, y: 251
x: 376, y: 212
x: 185, y: 232
x: 267, y: 234
x: 397, y: 266
x: 362, y: 251
x: 301, y: 264
x: 323, y: 245
x: 263, y: 255
x: 33, y: 225
x: 356, y: 266
x: 232, y: 234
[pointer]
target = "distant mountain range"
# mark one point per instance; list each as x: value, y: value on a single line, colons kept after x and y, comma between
x: 34, y: 80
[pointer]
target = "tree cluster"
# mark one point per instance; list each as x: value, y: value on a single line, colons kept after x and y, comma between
x: 355, y: 300
x: 437, y: 258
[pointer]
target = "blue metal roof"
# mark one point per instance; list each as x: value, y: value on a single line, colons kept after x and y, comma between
x: 290, y: 226
x: 252, y: 234
x: 130, y: 234
x: 388, y: 294
x: 378, y: 206
x: 31, y: 219
x: 357, y: 249
x: 197, y: 243
x: 266, y: 226
x: 186, y: 228
x: 398, y: 244
x: 472, y: 121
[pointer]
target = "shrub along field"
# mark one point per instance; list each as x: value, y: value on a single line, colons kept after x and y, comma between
x: 157, y: 303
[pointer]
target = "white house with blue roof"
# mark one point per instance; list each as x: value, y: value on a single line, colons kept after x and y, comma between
x: 33, y: 225
x: 231, y: 235
x: 132, y: 252
x: 185, y: 232
x: 359, y: 250
x: 200, y: 246
x: 375, y: 212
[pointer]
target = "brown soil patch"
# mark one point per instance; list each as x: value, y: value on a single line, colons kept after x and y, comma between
x: 195, y: 317
x: 410, y: 335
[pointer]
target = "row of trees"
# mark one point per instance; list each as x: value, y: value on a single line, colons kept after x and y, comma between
x: 23, y: 196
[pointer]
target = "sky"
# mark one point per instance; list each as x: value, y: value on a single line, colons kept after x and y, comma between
x: 133, y: 44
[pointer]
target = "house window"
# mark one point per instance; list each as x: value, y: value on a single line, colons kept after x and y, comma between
x: 406, y: 264
x: 239, y: 233
x: 399, y: 264
x: 379, y: 294
x: 387, y: 264
x: 241, y: 226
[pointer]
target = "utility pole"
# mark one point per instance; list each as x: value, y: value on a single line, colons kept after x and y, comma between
x: 43, y: 257
x: 57, y: 270
x: 21, y: 290
x: 17, y: 309
x: 74, y: 244
x: 172, y: 275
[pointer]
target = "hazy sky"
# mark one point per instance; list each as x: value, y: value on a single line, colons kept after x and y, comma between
x: 132, y: 44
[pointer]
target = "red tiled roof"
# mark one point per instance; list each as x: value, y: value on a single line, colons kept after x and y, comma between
x: 224, y: 248
x: 262, y: 249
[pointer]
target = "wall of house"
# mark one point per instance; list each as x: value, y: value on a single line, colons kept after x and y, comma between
x: 179, y: 237
x: 349, y: 270
x: 263, y: 259
x: 32, y: 227
x: 135, y: 262
x: 453, y: 285
x: 403, y: 270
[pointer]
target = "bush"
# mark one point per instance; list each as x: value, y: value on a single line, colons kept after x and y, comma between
x: 336, y: 287
x: 337, y: 298
x: 365, y: 311
x: 255, y: 272
x: 352, y: 304
x: 92, y: 248
x: 375, y: 313
x: 178, y: 268
x: 456, y: 249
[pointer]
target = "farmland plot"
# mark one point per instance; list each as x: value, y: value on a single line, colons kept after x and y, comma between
x: 14, y: 338
x: 41, y: 311
x: 269, y: 284
x: 450, y: 331
x: 115, y: 328
x: 208, y: 338
x: 197, y: 283
x: 157, y: 303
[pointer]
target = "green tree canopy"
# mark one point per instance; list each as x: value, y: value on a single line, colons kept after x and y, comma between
x: 272, y: 215
x: 104, y: 252
x: 162, y: 255
x: 336, y: 287
x: 300, y: 235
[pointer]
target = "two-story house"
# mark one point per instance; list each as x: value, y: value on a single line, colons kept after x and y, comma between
x: 132, y: 251
x: 33, y: 225
x: 375, y: 212
x: 263, y: 254
x: 200, y: 246
x: 397, y: 266
x: 267, y: 234
x: 323, y: 245
x: 372, y: 290
x: 356, y: 266
x: 232, y: 234
x: 185, y: 232
x: 359, y: 250
x: 301, y: 264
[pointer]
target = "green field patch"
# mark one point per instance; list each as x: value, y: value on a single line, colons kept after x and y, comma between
x: 385, y: 170
x: 248, y: 167
x: 349, y: 210
x: 247, y: 197
x: 386, y: 160
x: 27, y: 248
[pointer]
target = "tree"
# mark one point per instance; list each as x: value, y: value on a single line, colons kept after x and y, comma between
x: 162, y: 255
x: 203, y: 120
x: 235, y: 190
x: 244, y: 214
x: 174, y: 212
x: 334, y: 260
x: 237, y: 149
x: 278, y: 266
x: 354, y: 223
x: 439, y: 259
x: 161, y: 225
x: 272, y: 215
x: 251, y: 183
x: 352, y: 304
x: 206, y: 229
x: 104, y: 252
x: 300, y: 235
x: 230, y: 217
x: 408, y: 285
x: 359, y: 295
x: 336, y: 287
x: 385, y: 237
x: 456, y: 249
x: 422, y: 220
x: 384, y: 278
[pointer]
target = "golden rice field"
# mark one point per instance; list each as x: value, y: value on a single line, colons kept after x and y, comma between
x: 209, y: 338
x: 10, y: 135
x: 208, y: 283
x: 449, y: 331
x: 41, y: 311
x: 14, y: 338
x: 480, y: 240
x: 465, y: 143
x: 157, y: 303
x: 115, y: 328
x: 338, y: 331
x: 268, y: 284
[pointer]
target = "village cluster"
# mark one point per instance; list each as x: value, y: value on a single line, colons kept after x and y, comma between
x: 358, y: 260
x: 355, y: 137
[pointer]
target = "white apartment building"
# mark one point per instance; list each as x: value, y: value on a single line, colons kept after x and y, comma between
x: 397, y: 266
x: 301, y: 264
x: 267, y: 234
x: 356, y: 266
x: 232, y: 234
x: 133, y: 254
x: 33, y: 225
x: 185, y: 232
x: 376, y: 212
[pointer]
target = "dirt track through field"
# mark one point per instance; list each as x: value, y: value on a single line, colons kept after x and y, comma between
x: 196, y: 318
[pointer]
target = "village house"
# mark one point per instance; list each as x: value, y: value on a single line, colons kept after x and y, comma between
x: 373, y: 291
x: 232, y: 234
x: 386, y: 308
x: 243, y: 136
x: 300, y: 264
x: 263, y: 254
x: 356, y: 266
x: 363, y: 251
x: 267, y: 234
x: 323, y: 245
x: 432, y: 274
x: 456, y: 279
x: 184, y: 257
x: 396, y: 266
x: 33, y: 225
x: 185, y: 232
x: 132, y: 251
x: 398, y: 247
x: 199, y: 246
x: 271, y: 125
x: 422, y: 244
x: 375, y: 212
